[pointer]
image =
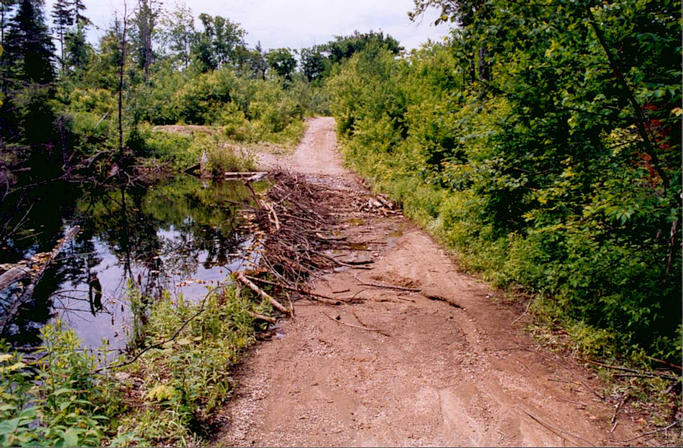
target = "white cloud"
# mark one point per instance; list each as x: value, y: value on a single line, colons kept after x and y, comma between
x: 295, y: 23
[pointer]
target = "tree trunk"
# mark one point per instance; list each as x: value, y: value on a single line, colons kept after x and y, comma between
x: 122, y: 64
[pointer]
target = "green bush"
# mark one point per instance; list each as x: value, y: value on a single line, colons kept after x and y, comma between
x: 537, y: 176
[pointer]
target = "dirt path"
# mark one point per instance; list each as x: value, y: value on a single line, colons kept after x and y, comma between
x: 457, y: 371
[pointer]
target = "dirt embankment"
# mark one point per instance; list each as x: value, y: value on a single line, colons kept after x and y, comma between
x: 449, y: 365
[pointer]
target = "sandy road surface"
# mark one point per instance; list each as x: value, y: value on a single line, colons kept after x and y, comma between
x: 422, y: 372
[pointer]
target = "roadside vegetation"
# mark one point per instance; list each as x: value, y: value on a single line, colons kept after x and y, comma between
x: 165, y: 392
x: 542, y: 143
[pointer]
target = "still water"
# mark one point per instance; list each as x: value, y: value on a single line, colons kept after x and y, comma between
x: 179, y: 237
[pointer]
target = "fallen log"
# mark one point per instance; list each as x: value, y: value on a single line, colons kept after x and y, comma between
x: 36, y: 278
x: 14, y: 275
x: 248, y: 283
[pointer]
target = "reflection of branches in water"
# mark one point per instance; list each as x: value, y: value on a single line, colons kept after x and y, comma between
x: 151, y: 232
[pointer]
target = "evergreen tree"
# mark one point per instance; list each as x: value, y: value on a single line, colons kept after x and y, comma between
x: 77, y: 9
x: 78, y: 50
x: 5, y: 13
x: 62, y: 19
x: 145, y: 28
x: 29, y: 49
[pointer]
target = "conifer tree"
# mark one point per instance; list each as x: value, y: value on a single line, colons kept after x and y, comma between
x: 62, y: 19
x: 77, y: 9
x: 29, y: 49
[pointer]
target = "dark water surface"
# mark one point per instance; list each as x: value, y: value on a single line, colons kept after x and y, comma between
x: 180, y: 236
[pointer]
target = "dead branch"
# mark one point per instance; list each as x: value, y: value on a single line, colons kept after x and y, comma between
x: 356, y: 326
x: 558, y: 431
x: 385, y: 286
x: 13, y: 275
x: 617, y: 407
x: 649, y: 433
x: 301, y: 291
x: 633, y: 372
x: 258, y: 316
x: 249, y: 176
x: 585, y: 384
x: 248, y: 283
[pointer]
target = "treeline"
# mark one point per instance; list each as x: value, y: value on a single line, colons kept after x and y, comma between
x: 543, y: 143
x: 71, y: 107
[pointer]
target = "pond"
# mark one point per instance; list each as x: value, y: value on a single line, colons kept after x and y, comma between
x: 178, y: 237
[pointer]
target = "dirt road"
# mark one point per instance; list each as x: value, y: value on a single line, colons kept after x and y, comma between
x: 400, y: 368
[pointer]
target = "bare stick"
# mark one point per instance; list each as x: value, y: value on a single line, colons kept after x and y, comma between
x: 316, y: 296
x: 258, y: 316
x: 277, y: 305
x: 524, y: 313
x: 399, y: 288
x: 557, y: 430
x: 602, y: 397
x: 649, y: 433
x: 636, y: 373
x: 356, y: 326
x: 617, y: 407
x: 365, y: 325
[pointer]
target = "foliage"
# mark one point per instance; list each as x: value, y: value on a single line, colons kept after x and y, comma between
x: 188, y: 378
x: 550, y: 157
x: 282, y: 62
x: 166, y: 396
x: 55, y: 401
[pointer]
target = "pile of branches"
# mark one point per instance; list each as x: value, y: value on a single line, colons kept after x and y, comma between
x: 299, y: 221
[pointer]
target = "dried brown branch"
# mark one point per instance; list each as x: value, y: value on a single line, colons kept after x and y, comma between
x: 375, y: 330
x: 249, y: 284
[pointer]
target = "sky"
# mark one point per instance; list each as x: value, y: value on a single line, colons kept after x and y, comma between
x: 294, y: 23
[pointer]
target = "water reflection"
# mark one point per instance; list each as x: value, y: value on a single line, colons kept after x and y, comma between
x: 180, y: 237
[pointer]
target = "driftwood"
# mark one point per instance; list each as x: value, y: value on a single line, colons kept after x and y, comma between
x: 43, y: 261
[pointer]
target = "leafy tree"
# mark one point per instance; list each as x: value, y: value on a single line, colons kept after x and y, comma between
x: 216, y: 45
x: 554, y: 154
x: 178, y: 34
x: 343, y: 47
x: 314, y: 64
x: 282, y: 62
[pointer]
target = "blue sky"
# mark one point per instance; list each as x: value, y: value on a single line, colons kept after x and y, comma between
x: 295, y: 23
